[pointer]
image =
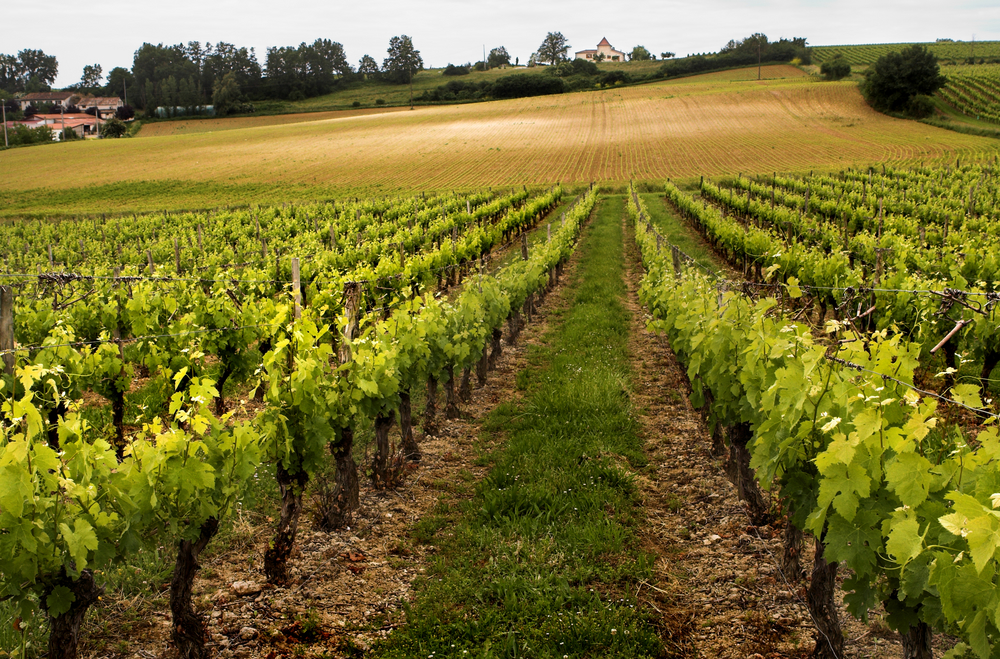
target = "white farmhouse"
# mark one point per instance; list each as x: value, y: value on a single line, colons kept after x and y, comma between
x: 603, y: 53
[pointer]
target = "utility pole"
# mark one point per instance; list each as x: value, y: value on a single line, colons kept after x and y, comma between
x: 486, y: 66
x: 758, y: 58
x: 62, y: 115
x: 409, y: 67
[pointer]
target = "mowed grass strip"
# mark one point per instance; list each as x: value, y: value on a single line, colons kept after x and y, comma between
x: 542, y: 561
x: 679, y: 232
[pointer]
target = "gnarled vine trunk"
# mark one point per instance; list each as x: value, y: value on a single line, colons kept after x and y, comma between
x: 823, y: 607
x: 739, y: 472
x: 276, y: 555
x: 383, y: 475
x: 344, y: 499
x: 482, y: 366
x: 451, y: 410
x: 408, y: 442
x: 188, y: 628
x: 465, y: 386
x: 496, y: 349
x: 917, y: 642
x: 430, y: 408
x: 64, y: 630
x: 791, y: 557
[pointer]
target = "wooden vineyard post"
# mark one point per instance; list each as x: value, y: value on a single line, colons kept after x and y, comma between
x: 468, y: 207
x: 524, y: 246
x: 402, y: 256
x: 149, y: 258
x: 333, y: 239
x: 562, y: 220
x: 296, y: 288
x: 676, y: 256
x: 7, y: 328
x: 201, y: 248
x: 659, y: 242
x: 177, y: 256
x: 52, y: 265
x: 548, y: 233
x: 263, y: 248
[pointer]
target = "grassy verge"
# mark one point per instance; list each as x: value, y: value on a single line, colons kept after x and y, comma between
x: 540, y: 561
x: 678, y: 232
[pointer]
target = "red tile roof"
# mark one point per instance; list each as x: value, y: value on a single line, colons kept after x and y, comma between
x: 46, y: 96
x: 604, y: 42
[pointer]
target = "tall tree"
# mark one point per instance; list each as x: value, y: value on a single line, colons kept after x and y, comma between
x: 228, y: 58
x: 92, y: 75
x: 896, y: 78
x: 553, y: 48
x: 640, y: 54
x: 226, y: 94
x: 403, y: 61
x: 120, y: 83
x: 38, y: 66
x: 498, y: 57
x: 29, y: 70
x: 153, y: 66
x: 368, y: 67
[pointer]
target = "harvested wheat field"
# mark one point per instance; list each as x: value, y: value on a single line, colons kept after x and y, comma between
x: 713, y: 124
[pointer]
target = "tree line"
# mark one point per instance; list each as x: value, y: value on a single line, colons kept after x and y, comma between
x: 197, y: 74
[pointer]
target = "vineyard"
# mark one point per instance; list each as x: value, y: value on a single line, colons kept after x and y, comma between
x: 844, y: 359
x: 852, y: 370
x: 974, y: 91
x: 384, y: 298
x: 947, y: 51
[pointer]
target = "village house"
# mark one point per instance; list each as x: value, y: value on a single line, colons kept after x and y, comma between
x: 40, y: 98
x: 105, y: 104
x: 603, y: 53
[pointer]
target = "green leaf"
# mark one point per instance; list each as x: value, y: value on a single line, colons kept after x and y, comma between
x: 905, y: 540
x: 59, y: 601
x: 79, y: 541
x: 909, y: 476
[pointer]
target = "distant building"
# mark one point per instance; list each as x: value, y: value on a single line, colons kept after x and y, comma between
x: 85, y: 125
x: 41, y: 98
x: 604, y: 52
x: 104, y: 104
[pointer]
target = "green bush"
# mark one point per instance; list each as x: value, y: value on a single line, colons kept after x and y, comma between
x: 920, y: 107
x: 379, y: 101
x: 356, y: 104
x: 614, y: 77
x: 891, y: 83
x: 520, y: 85
x: 114, y: 127
x: 836, y: 68
x: 452, y: 70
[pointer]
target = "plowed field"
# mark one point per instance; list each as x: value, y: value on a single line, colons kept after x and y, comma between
x: 719, y: 123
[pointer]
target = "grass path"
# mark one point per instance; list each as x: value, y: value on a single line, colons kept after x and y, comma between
x: 542, y: 562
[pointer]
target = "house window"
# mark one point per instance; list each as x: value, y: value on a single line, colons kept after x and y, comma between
x: 614, y: 58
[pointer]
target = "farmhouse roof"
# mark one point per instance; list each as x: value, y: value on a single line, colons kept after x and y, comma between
x: 46, y: 96
x: 586, y: 51
x: 604, y: 42
x: 100, y: 100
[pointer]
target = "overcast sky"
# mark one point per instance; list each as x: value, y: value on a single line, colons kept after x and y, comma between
x: 108, y: 32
